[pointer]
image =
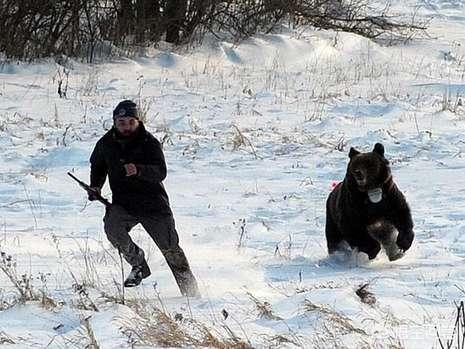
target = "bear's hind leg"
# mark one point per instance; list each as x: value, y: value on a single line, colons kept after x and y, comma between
x: 369, y: 246
x: 333, y: 235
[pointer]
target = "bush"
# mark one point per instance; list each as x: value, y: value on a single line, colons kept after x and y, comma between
x: 86, y: 28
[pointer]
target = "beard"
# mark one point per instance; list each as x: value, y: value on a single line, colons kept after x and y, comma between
x: 127, y: 134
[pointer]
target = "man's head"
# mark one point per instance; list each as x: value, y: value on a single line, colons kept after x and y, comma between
x: 126, y: 118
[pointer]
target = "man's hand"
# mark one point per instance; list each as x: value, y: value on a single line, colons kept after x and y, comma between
x: 131, y: 170
x: 93, y: 193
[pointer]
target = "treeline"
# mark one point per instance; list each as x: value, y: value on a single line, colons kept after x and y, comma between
x: 32, y: 29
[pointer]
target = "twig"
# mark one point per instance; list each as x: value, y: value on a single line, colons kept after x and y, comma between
x: 244, y: 140
x: 122, y: 276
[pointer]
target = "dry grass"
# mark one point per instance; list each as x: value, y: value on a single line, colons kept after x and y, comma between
x: 90, y: 334
x: 457, y: 338
x: 365, y: 296
x: 280, y: 341
x: 156, y: 327
x: 22, y: 283
x: 336, y: 325
x: 264, y: 308
x: 6, y: 339
x: 239, y: 140
x: 47, y: 302
x: 339, y: 323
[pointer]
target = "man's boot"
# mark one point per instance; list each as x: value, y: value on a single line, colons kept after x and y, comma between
x: 179, y: 265
x: 190, y: 289
x: 136, y: 275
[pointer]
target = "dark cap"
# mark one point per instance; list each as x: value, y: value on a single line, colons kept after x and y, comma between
x: 126, y: 109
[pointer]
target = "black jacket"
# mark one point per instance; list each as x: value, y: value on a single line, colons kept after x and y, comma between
x: 142, y: 194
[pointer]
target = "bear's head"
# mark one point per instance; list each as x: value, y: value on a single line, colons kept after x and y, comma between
x: 368, y: 172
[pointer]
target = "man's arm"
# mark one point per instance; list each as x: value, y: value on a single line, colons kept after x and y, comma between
x: 154, y: 170
x: 98, y: 167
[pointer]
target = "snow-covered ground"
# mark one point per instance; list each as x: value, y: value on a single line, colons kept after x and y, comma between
x: 254, y: 135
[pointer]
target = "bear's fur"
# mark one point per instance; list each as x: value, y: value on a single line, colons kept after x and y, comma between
x: 357, y: 212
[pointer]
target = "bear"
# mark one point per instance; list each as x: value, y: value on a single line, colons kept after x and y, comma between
x: 367, y: 209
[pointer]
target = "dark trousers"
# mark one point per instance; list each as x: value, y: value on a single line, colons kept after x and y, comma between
x: 118, y: 223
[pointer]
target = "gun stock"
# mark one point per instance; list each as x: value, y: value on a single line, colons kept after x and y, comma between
x: 89, y: 190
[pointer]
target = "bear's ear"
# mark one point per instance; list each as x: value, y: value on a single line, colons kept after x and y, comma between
x: 379, y: 148
x: 353, y: 152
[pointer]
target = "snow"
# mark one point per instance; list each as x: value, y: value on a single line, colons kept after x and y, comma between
x: 296, y: 100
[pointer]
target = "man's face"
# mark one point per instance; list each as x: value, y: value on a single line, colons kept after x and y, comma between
x: 126, y: 126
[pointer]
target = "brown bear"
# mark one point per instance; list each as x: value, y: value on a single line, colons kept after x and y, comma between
x: 367, y: 209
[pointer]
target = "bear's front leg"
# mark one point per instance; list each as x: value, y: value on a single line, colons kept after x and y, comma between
x: 405, y: 239
x: 404, y: 225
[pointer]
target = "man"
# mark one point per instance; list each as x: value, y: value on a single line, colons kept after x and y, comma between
x: 134, y: 162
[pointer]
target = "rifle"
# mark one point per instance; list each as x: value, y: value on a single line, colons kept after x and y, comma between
x: 91, y: 191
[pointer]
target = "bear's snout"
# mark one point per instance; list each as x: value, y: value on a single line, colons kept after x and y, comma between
x: 360, y: 177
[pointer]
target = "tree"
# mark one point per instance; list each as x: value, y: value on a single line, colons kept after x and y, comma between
x: 125, y: 20
x: 147, y: 20
x: 174, y: 19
